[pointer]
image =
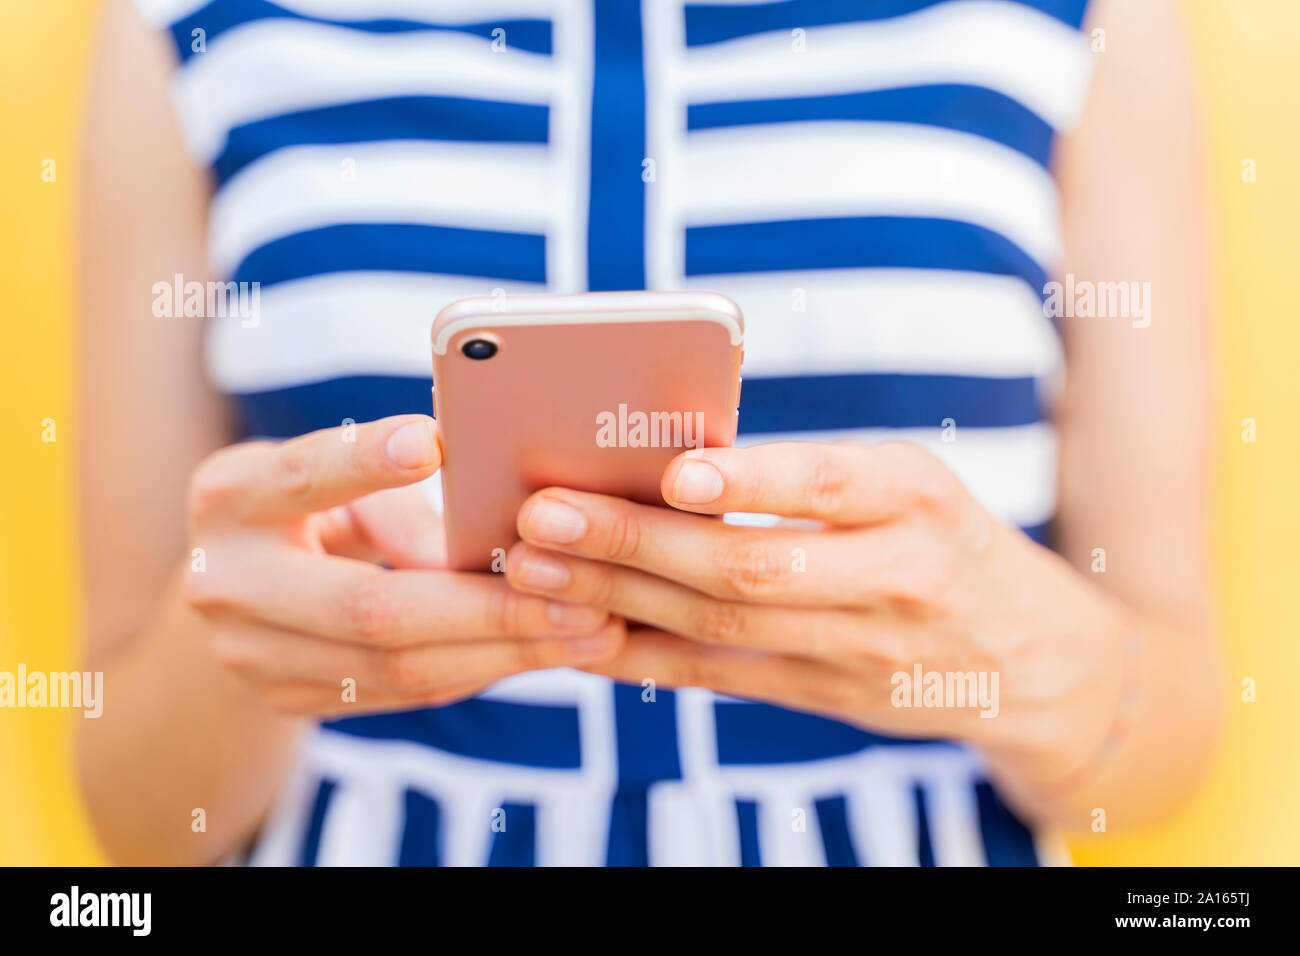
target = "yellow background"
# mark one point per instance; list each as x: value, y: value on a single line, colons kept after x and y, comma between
x: 1246, y: 50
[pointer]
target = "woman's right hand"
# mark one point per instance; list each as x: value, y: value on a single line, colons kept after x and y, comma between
x: 270, y: 524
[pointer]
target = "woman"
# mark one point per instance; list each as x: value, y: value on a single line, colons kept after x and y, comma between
x: 886, y: 189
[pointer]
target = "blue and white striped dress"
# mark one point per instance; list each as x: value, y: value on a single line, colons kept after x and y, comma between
x: 868, y: 179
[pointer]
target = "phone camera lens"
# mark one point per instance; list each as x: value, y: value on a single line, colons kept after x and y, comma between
x: 479, y: 349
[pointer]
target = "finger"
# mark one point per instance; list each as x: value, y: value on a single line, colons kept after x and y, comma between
x: 347, y: 600
x: 844, y: 483
x: 831, y: 633
x: 273, y: 656
x: 673, y: 661
x: 395, y: 527
x: 262, y: 481
x: 318, y: 700
x: 339, y: 534
x: 763, y: 565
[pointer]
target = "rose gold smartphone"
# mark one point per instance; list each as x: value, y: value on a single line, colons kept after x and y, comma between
x: 596, y: 392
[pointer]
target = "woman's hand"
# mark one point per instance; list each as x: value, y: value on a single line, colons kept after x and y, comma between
x: 290, y: 612
x: 898, y: 569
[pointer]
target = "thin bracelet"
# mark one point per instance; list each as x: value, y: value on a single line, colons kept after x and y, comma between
x: 1121, y: 726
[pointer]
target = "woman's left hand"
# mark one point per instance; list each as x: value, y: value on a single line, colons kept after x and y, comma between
x: 894, y: 570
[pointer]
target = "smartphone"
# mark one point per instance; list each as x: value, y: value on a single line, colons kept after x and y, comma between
x: 597, y: 392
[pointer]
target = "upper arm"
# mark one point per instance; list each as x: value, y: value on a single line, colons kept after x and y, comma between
x: 146, y: 413
x: 1136, y: 415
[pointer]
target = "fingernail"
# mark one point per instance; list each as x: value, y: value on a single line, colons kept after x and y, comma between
x: 411, y: 446
x: 543, y: 572
x: 697, y: 483
x: 554, y: 521
x: 575, y: 615
x: 591, y: 647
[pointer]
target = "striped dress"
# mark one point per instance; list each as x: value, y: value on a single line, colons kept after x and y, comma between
x: 868, y: 179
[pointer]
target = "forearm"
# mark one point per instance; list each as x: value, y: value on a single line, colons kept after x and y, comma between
x: 1135, y: 425
x: 179, y: 734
